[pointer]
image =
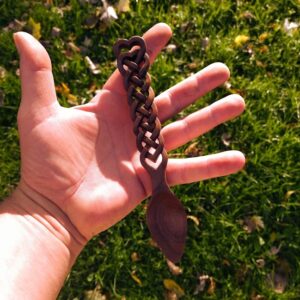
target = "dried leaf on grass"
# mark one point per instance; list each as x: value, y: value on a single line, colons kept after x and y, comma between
x: 55, y: 32
x: 261, y: 241
x: 15, y: 25
x: 193, y: 150
x: 169, y: 295
x: 18, y: 72
x: 171, y: 48
x: 175, y: 270
x: 35, y: 28
x: 136, y: 278
x: 260, y: 64
x: 201, y: 284
x: 87, y: 42
x: 241, y: 40
x: 205, y: 42
x: 73, y: 47
x: 174, y: 287
x: 273, y: 236
x: 260, y: 262
x: 253, y: 223
x: 263, y: 37
x: 290, y: 27
x: 153, y: 243
x: 278, y: 280
x: 212, y: 286
x: 228, y: 86
x: 247, y: 15
x: 64, y: 90
x: 109, y: 14
x: 2, y: 72
x: 192, y: 66
x: 194, y: 219
x: 275, y: 250
x: 95, y: 294
x: 123, y: 6
x: 93, y: 68
x: 250, y: 50
x: 289, y: 194
x: 226, y: 139
x: 134, y: 257
x: 207, y: 283
x: 264, y: 49
x: 102, y: 243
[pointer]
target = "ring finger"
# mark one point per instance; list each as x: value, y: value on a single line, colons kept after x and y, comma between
x: 182, y: 131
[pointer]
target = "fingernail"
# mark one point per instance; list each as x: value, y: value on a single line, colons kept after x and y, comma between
x: 16, y: 40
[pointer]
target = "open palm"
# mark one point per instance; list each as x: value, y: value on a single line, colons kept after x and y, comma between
x: 84, y: 159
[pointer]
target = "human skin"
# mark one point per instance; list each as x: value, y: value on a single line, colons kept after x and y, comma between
x: 80, y: 169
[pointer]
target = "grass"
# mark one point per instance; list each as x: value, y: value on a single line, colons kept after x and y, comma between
x: 265, y: 70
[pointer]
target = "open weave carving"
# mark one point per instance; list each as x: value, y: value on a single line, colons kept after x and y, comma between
x: 134, y: 67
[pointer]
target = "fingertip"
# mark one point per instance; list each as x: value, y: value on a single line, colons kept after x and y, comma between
x: 156, y: 38
x: 238, y: 159
x: 237, y: 103
x: 37, y: 82
x: 34, y: 54
x: 17, y: 37
x: 222, y: 69
x: 22, y: 37
x: 164, y: 28
x: 240, y: 102
x: 212, y: 76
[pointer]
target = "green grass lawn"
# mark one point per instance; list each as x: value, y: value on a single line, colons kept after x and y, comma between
x: 247, y: 241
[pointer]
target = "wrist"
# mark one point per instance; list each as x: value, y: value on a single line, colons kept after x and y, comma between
x: 48, y: 217
x: 39, y: 242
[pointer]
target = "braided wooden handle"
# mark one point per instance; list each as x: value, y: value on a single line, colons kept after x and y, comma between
x: 166, y: 217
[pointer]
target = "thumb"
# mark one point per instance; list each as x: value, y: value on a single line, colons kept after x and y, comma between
x: 38, y: 90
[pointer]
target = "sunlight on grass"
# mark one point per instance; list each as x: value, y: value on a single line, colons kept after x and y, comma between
x: 248, y: 36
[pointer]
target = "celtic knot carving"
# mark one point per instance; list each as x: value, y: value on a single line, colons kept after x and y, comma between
x: 133, y: 64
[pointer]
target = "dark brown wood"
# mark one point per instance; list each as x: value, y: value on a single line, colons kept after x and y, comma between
x: 166, y: 218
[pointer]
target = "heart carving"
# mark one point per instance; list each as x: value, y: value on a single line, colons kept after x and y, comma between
x: 128, y: 45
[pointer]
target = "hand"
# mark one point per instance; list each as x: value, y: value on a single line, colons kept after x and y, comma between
x: 84, y: 159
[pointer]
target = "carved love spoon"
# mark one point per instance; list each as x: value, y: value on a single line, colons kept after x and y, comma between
x: 166, y: 218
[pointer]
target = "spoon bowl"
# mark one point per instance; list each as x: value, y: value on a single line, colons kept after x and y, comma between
x: 167, y: 222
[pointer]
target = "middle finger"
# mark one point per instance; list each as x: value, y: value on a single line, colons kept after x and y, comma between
x: 173, y: 100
